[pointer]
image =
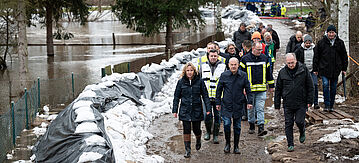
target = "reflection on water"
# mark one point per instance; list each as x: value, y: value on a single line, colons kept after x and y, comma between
x: 84, y: 61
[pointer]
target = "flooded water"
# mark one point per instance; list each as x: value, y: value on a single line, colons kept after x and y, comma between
x: 84, y: 61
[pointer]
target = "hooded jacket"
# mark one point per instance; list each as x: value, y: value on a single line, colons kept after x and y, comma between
x: 190, y: 95
x: 293, y: 44
x: 296, y: 90
x: 305, y: 55
x: 330, y: 58
x: 239, y: 36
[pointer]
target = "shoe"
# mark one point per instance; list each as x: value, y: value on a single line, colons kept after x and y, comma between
x: 252, y: 127
x: 331, y: 109
x: 302, y: 137
x: 198, y: 142
x: 236, y: 142
x: 261, y: 131
x: 316, y: 107
x: 326, y: 108
x: 244, y: 118
x: 227, y: 136
x: 215, y: 133
x: 208, y: 125
x: 290, y: 149
x: 187, y: 145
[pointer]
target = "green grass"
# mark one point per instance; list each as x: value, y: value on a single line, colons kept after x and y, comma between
x: 294, y: 11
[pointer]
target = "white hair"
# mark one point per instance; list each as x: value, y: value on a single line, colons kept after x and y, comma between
x: 290, y: 55
x: 234, y: 58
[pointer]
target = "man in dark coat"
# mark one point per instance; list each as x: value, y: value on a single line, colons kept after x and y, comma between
x: 294, y: 42
x: 295, y: 87
x: 241, y: 35
x: 330, y: 58
x: 232, y: 84
x: 275, y: 37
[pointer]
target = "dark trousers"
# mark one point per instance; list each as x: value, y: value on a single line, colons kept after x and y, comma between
x: 294, y: 115
x: 209, y: 117
x: 196, y: 126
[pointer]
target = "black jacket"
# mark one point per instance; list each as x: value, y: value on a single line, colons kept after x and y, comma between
x: 229, y: 56
x: 239, y: 37
x: 330, y: 60
x: 190, y: 96
x: 296, y: 90
x: 232, y: 87
x: 293, y: 44
x: 275, y: 37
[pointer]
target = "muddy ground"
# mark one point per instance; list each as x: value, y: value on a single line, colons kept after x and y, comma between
x: 168, y: 140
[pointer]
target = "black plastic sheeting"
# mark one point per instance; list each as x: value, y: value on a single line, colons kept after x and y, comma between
x: 60, y: 143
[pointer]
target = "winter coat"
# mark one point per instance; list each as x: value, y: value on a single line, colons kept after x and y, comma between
x: 229, y: 56
x: 239, y: 37
x: 275, y: 38
x: 232, y: 87
x: 293, y: 44
x: 302, y: 58
x: 296, y: 90
x: 330, y: 60
x: 190, y: 95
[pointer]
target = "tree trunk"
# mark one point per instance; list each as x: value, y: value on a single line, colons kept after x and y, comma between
x: 99, y: 6
x: 169, y: 40
x: 22, y: 42
x: 49, y: 34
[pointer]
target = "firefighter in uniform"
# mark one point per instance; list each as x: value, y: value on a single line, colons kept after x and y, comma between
x: 257, y: 67
x: 210, y: 68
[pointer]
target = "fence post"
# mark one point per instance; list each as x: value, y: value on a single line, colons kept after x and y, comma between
x: 38, y: 93
x: 13, y: 123
x: 26, y: 110
x: 73, y: 84
x: 128, y: 67
x: 103, y: 73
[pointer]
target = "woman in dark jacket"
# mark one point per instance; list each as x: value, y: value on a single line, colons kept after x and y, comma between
x: 190, y: 90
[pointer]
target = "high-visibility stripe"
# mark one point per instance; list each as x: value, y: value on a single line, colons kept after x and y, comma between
x: 264, y: 74
x: 271, y: 82
x: 211, y: 79
x: 268, y: 64
x: 244, y: 66
x: 255, y: 63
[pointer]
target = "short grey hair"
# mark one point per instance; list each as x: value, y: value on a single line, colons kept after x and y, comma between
x: 290, y: 55
x: 233, y: 58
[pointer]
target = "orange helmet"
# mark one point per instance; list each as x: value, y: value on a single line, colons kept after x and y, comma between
x: 256, y: 35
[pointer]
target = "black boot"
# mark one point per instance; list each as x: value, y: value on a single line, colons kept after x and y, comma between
x: 252, y: 127
x: 236, y: 142
x: 227, y: 148
x: 208, y: 125
x: 198, y: 142
x: 187, y: 145
x: 215, y: 133
x: 261, y: 131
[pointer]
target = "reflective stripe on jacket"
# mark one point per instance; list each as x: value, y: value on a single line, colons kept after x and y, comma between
x: 258, y: 72
x: 211, y: 78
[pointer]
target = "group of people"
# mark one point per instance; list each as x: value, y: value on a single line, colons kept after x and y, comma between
x: 275, y: 10
x: 232, y: 86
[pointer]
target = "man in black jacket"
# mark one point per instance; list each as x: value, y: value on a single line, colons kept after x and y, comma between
x: 330, y: 58
x: 275, y: 38
x: 295, y: 86
x: 232, y: 84
x: 294, y: 42
x: 241, y: 35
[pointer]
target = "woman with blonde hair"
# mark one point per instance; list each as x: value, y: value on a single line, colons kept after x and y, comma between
x: 190, y: 90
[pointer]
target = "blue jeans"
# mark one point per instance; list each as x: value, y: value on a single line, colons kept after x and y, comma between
x: 228, y: 123
x: 209, y: 117
x: 259, y: 99
x: 329, y: 91
x: 315, y: 84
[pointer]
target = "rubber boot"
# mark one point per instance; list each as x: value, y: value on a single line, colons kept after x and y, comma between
x: 261, y: 131
x: 208, y: 125
x: 236, y: 142
x: 252, y: 127
x: 215, y: 133
x: 187, y: 145
x: 198, y: 142
x: 227, y: 136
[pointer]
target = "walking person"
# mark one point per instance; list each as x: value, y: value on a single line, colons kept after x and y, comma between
x: 233, y: 83
x: 257, y: 67
x: 210, y: 68
x: 241, y: 35
x: 294, y: 42
x: 190, y: 89
x: 330, y: 58
x: 305, y: 55
x: 294, y: 85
